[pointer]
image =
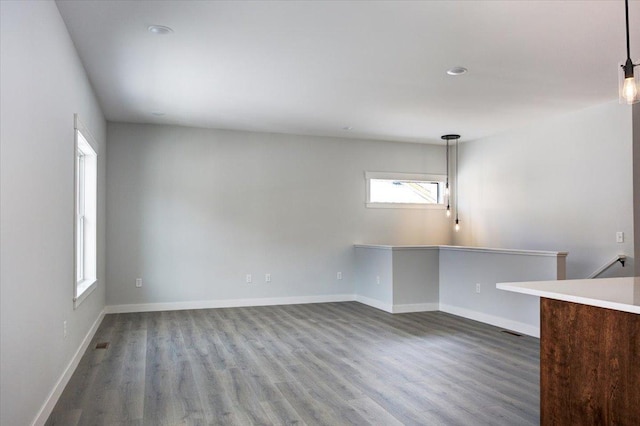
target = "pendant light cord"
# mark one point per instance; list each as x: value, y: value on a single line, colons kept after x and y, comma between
x: 449, y: 196
x: 457, y: 198
x: 447, y: 167
x: 626, y: 12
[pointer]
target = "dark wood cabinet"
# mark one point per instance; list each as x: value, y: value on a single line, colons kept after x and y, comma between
x: 590, y: 365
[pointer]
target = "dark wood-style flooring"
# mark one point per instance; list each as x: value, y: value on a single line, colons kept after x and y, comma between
x: 317, y: 364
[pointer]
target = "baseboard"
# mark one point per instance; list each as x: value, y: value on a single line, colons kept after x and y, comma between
x: 55, y: 393
x: 228, y: 303
x: 415, y: 307
x: 374, y: 303
x: 501, y: 322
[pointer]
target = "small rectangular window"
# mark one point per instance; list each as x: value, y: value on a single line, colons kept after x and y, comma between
x: 86, y: 209
x: 404, y: 190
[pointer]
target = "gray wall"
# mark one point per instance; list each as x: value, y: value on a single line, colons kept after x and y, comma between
x: 560, y: 185
x: 416, y: 278
x: 431, y: 277
x: 42, y: 85
x: 461, y: 270
x: 397, y: 279
x: 192, y: 211
x: 371, y: 264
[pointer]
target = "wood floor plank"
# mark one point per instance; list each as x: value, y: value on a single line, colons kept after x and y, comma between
x: 373, y: 413
x: 298, y: 398
x: 280, y: 412
x: 318, y: 364
x: 312, y: 410
x: 243, y: 397
x: 171, y: 394
x: 217, y: 405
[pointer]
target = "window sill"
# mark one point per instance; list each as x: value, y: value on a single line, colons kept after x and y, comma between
x: 404, y: 206
x: 84, y: 289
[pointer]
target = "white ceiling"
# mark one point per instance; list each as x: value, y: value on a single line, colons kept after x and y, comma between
x: 315, y: 67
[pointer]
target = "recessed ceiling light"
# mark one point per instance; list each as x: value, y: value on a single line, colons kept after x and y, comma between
x: 457, y: 71
x: 157, y: 113
x: 159, y: 29
x: 347, y: 128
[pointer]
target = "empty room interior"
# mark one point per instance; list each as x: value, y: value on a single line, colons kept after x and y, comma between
x: 319, y: 212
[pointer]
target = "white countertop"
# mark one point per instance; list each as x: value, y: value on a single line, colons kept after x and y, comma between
x: 621, y: 294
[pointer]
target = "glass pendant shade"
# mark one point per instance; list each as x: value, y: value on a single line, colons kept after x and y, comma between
x: 629, y: 85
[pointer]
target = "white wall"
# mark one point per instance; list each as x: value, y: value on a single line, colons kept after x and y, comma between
x: 42, y: 85
x: 636, y: 182
x: 561, y: 185
x: 192, y: 211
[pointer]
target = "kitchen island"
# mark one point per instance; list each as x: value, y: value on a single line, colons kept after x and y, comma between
x: 589, y: 350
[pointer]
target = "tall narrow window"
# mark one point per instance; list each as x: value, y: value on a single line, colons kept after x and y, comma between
x: 86, y: 208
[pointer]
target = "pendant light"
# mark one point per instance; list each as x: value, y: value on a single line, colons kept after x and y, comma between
x: 446, y: 187
x: 455, y: 192
x: 457, y: 227
x: 629, y: 83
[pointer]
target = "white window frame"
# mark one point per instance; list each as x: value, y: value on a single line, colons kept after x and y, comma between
x: 85, y: 230
x: 402, y: 176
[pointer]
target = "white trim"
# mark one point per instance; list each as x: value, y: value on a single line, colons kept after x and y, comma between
x: 228, y: 303
x: 85, y: 144
x: 466, y: 248
x: 507, y: 251
x: 405, y: 248
x: 86, y: 291
x: 54, y: 395
x: 395, y: 248
x: 415, y: 307
x: 374, y: 303
x: 436, y: 177
x: 501, y: 322
x: 373, y: 246
x: 429, y: 206
x: 78, y: 125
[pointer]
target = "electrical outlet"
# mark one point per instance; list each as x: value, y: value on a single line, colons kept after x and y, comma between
x: 267, y: 278
x: 378, y: 279
x: 619, y: 237
x: 248, y: 278
x: 477, y: 287
x: 64, y: 329
x: 138, y: 282
x: 339, y: 276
